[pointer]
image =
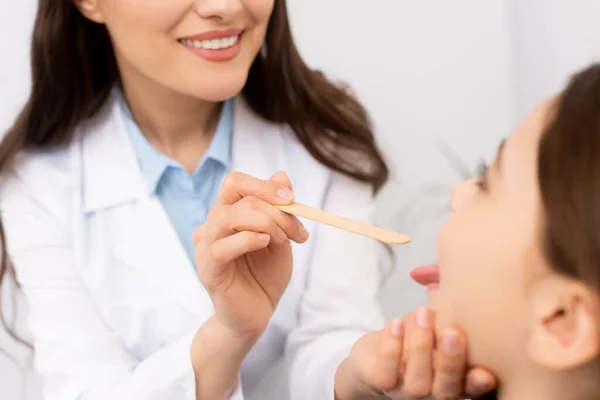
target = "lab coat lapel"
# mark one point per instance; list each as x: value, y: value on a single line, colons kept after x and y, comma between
x: 258, y: 145
x: 143, y: 235
x: 169, y: 264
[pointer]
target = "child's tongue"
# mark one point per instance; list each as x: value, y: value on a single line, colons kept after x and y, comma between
x: 428, y: 275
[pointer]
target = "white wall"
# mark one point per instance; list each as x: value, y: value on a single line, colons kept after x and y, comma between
x: 462, y: 71
x: 427, y: 70
x: 16, y: 20
x: 551, y: 40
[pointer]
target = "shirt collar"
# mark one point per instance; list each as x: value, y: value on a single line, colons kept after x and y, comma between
x: 153, y: 163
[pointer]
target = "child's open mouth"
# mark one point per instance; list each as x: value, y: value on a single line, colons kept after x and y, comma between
x: 427, y: 275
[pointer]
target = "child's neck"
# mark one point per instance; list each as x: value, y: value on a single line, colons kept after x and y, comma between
x: 547, y: 387
x: 529, y: 392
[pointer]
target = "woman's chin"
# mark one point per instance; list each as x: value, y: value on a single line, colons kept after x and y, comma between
x: 216, y: 91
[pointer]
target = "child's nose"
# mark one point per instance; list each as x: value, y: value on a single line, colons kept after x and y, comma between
x: 462, y: 194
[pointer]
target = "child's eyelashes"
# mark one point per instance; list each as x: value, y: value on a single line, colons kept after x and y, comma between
x: 482, y: 168
x: 481, y: 179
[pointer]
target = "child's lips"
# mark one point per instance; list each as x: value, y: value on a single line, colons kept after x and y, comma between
x: 427, y: 275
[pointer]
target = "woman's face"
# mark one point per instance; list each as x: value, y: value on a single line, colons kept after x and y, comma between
x: 201, y: 48
x: 489, y: 249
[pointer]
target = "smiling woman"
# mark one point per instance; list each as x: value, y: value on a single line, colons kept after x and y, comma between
x: 125, y: 93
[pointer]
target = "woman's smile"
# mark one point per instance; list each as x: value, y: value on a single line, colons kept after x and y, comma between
x: 217, y: 46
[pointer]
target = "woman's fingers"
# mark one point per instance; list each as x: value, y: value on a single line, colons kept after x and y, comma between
x: 255, y: 215
x: 479, y: 382
x: 198, y: 234
x: 221, y: 253
x: 279, y: 178
x: 282, y: 178
x: 238, y: 185
x: 228, y: 249
x: 418, y: 377
x: 450, y: 364
x: 241, y: 190
x: 389, y: 357
x: 289, y: 224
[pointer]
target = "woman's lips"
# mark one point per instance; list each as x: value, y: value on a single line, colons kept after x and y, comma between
x: 428, y: 276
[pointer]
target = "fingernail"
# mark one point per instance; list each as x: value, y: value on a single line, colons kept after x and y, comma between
x: 263, y: 237
x: 424, y: 318
x: 281, y: 234
x: 397, y: 327
x: 451, y: 342
x: 285, y: 194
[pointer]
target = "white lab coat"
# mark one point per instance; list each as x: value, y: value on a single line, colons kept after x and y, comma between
x: 113, y: 299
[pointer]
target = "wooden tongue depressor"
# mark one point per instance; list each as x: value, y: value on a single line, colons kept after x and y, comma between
x: 337, y: 221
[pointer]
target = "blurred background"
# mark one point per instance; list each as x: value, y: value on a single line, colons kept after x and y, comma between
x: 458, y: 74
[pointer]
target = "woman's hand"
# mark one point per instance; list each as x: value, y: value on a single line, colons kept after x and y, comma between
x: 243, y: 252
x: 401, y: 362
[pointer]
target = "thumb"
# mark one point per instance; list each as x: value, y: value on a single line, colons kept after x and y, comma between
x: 282, y: 178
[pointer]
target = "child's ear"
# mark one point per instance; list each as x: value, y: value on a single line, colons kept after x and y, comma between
x: 89, y: 9
x: 564, y: 331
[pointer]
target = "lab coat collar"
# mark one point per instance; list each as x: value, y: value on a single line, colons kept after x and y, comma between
x: 111, y: 173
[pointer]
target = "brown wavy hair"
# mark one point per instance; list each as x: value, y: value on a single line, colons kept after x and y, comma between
x: 74, y: 69
x: 569, y: 179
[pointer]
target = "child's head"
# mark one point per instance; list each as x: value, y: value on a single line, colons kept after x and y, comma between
x: 519, y: 260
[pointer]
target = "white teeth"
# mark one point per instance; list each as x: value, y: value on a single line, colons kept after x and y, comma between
x: 213, y: 44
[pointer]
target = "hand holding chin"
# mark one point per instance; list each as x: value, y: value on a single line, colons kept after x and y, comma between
x: 407, y: 361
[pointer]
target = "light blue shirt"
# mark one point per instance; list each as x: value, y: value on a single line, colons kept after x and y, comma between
x: 186, y: 198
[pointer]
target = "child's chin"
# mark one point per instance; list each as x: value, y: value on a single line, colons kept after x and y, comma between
x: 432, y: 299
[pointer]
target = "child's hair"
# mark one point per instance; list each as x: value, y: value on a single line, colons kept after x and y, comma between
x: 569, y: 180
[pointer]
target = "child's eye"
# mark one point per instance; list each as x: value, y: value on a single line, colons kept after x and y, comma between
x: 481, y: 180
